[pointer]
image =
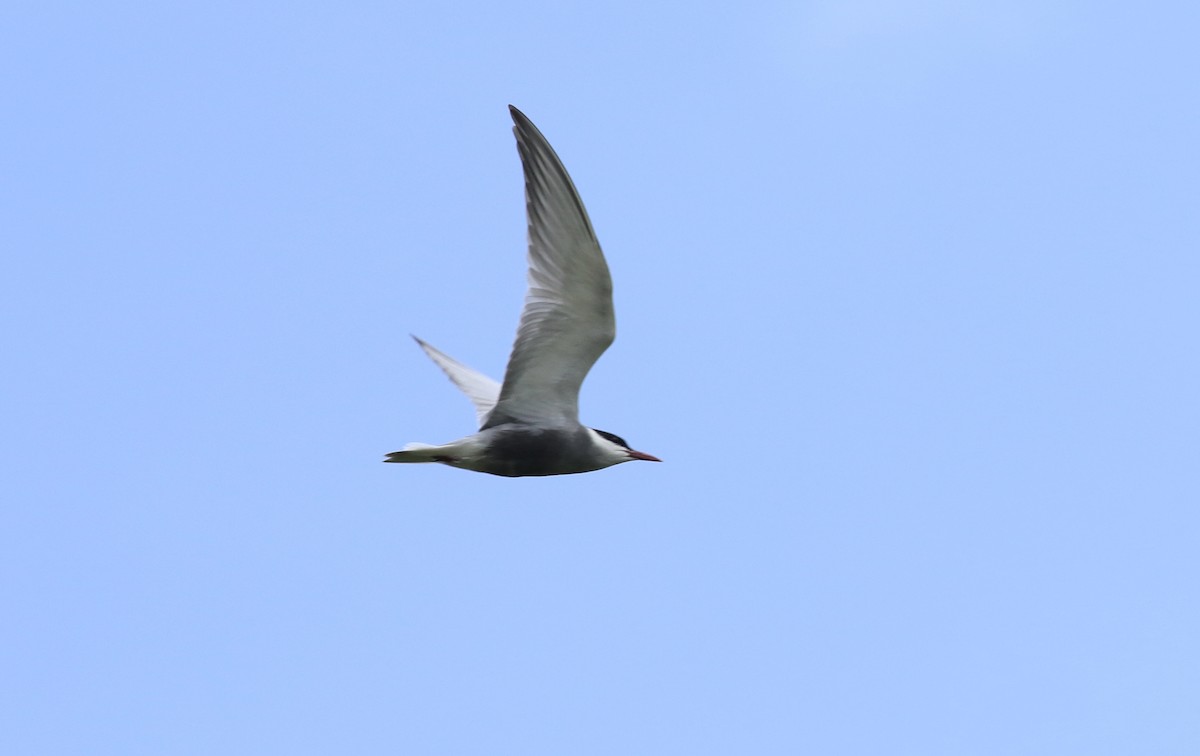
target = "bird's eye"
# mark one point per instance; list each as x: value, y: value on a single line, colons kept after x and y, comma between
x: 614, y: 438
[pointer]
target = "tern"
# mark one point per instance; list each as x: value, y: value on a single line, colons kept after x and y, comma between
x: 529, y: 425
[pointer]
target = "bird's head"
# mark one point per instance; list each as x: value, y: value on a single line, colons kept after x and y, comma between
x: 617, y: 450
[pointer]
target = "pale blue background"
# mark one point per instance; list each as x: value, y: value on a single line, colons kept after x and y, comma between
x: 908, y: 301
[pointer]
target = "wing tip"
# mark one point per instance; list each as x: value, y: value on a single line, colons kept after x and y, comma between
x: 522, y: 124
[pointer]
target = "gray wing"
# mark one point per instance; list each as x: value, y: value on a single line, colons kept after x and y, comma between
x: 481, y: 390
x: 568, y: 318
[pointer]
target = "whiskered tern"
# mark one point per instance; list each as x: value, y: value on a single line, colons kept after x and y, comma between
x: 529, y: 425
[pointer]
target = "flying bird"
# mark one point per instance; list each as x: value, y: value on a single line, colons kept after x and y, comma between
x: 529, y: 425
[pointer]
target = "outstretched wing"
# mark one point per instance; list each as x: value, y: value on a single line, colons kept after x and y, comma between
x: 482, y: 391
x: 568, y: 318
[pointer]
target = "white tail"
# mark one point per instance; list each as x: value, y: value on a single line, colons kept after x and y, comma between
x: 416, y: 453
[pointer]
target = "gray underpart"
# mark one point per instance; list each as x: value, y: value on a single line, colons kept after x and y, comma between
x: 517, y: 449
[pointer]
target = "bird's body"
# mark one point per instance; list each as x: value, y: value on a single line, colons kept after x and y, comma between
x: 529, y: 425
x: 519, y: 449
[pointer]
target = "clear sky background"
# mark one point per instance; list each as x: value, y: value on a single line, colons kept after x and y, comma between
x: 907, y: 294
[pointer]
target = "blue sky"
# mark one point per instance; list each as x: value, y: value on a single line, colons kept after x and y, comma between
x: 906, y: 298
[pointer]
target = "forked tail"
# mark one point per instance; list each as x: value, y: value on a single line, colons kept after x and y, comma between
x: 416, y: 453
